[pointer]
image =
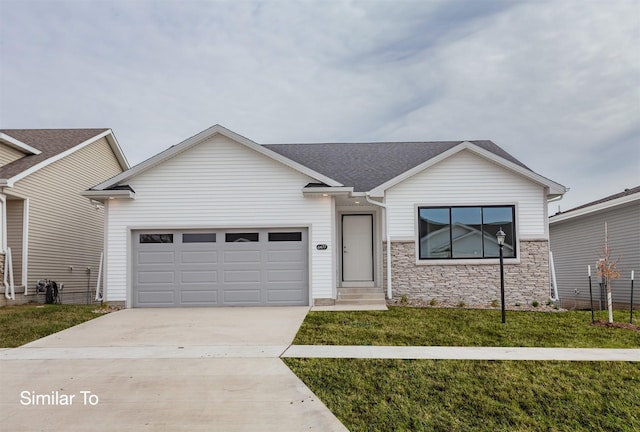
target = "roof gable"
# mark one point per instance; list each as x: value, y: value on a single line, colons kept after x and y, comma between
x: 51, y: 145
x: 375, y: 167
x: 199, y: 138
x: 507, y: 163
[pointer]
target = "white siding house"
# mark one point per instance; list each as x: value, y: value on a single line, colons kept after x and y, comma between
x: 305, y: 223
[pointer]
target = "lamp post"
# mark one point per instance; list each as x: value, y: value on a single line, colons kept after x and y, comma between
x: 500, y: 235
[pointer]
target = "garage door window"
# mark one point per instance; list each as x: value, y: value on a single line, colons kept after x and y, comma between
x: 199, y: 238
x: 285, y: 236
x: 241, y: 237
x: 156, y: 238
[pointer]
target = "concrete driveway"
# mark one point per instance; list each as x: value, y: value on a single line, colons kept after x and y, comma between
x: 197, y: 369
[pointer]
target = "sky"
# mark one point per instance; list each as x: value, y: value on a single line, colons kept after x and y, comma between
x: 556, y: 83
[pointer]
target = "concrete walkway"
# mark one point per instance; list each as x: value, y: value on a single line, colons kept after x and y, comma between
x: 321, y: 351
x: 462, y: 353
x: 201, y: 369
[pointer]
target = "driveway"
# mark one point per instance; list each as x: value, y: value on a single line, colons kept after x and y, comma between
x: 197, y: 369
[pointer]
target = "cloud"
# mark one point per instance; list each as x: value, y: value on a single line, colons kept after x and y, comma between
x: 550, y: 81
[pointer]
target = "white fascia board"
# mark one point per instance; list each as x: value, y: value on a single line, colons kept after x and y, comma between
x: 204, y: 135
x: 327, y: 191
x: 18, y: 145
x: 55, y: 158
x: 571, y: 214
x: 117, y: 151
x: 554, y: 188
x: 103, y: 195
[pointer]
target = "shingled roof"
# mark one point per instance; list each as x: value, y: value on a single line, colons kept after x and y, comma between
x: 368, y: 165
x: 624, y: 193
x: 50, y: 142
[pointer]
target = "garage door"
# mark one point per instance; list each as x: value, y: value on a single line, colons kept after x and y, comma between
x: 250, y: 267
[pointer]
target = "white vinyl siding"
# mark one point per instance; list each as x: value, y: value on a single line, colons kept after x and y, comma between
x: 9, y: 154
x: 218, y: 184
x: 466, y: 179
x: 66, y: 230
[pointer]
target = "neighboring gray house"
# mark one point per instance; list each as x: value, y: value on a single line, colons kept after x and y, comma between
x: 50, y: 229
x: 577, y: 241
x: 220, y: 220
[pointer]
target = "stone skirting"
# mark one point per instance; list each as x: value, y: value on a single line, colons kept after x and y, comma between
x: 471, y: 284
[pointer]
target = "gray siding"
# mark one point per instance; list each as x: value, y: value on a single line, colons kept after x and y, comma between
x: 65, y: 230
x: 579, y: 242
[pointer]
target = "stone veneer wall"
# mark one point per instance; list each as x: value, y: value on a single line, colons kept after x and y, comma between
x: 471, y: 284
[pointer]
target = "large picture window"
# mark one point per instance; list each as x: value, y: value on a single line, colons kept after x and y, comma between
x: 465, y: 232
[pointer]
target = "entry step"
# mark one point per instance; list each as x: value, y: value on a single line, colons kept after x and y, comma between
x: 360, y: 296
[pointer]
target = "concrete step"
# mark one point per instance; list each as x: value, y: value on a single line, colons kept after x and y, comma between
x: 360, y: 296
x: 361, y: 302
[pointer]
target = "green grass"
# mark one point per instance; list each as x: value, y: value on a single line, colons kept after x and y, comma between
x: 464, y: 327
x: 456, y: 395
x: 24, y: 324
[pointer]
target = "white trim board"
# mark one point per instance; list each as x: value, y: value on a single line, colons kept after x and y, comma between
x: 18, y: 145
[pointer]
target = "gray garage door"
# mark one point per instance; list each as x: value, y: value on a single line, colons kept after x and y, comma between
x: 249, y: 267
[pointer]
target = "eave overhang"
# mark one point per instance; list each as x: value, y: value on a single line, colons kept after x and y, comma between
x: 104, y: 195
x: 325, y: 191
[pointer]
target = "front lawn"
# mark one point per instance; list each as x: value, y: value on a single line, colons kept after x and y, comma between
x: 461, y: 395
x: 465, y: 327
x: 24, y: 324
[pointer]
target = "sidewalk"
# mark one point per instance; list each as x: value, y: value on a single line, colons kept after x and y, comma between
x: 462, y: 353
x: 321, y: 351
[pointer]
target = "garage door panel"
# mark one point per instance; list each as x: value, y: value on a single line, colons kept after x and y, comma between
x: 297, y: 276
x: 292, y: 256
x: 243, y: 296
x: 207, y: 277
x: 241, y: 276
x: 156, y: 297
x: 155, y: 277
x: 208, y: 297
x: 242, y: 256
x: 199, y: 257
x: 152, y: 257
x: 285, y: 296
x: 204, y: 268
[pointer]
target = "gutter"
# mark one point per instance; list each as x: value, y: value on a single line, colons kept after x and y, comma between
x: 388, y: 235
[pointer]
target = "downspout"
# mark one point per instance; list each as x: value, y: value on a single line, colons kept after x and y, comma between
x: 388, y: 236
x: 554, y: 297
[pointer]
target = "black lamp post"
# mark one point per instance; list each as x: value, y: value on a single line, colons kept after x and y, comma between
x: 500, y: 235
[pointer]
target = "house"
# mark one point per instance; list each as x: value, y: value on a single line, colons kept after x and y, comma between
x: 220, y: 220
x: 577, y: 238
x: 48, y: 230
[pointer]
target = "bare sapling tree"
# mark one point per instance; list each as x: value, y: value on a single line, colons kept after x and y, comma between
x: 607, y: 270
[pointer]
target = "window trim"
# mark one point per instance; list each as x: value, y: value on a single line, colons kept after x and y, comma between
x: 464, y: 261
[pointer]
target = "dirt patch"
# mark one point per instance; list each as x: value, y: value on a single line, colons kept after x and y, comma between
x: 431, y: 304
x: 106, y: 309
x: 626, y: 326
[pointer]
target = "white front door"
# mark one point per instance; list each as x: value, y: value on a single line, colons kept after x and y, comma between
x: 357, y: 248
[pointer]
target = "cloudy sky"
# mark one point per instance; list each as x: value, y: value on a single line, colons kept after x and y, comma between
x: 556, y: 83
